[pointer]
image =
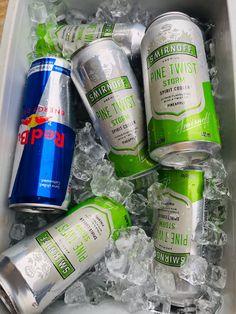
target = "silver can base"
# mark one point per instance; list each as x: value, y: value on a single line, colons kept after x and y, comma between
x: 37, y: 208
x: 184, y: 154
x: 184, y: 291
x: 14, y: 290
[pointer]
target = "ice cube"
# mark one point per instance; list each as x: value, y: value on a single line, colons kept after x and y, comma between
x: 115, y: 287
x: 165, y: 280
x: 215, y: 175
x: 94, y: 283
x: 97, y: 151
x: 68, y: 48
x: 132, y: 247
x: 138, y: 273
x: 144, y: 182
x: 38, y: 12
x: 140, y: 15
x: 155, y: 195
x: 216, y: 277
x: 82, y: 167
x: 76, y: 294
x: 80, y: 190
x: 210, y: 47
x: 212, y: 253
x: 142, y: 246
x: 216, y: 210
x: 142, y: 222
x: 136, y: 204
x: 88, y: 153
x: 213, y: 72
x: 85, y: 138
x: 116, y: 262
x: 59, y: 9
x: 160, y: 305
x: 134, y: 296
x: 211, y: 234
x: 194, y: 270
x: 141, y: 215
x: 113, y: 11
x: 75, y: 17
x: 119, y: 189
x: 209, y: 302
x: 215, y: 83
x: 101, y: 176
x: 32, y: 221
x: 17, y: 232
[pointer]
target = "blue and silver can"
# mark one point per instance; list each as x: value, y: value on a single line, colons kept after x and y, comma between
x: 46, y: 140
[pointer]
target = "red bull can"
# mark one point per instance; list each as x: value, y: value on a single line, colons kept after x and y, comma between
x: 46, y: 139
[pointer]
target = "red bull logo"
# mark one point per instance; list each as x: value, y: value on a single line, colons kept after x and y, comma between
x: 27, y: 137
x: 34, y: 120
x: 31, y: 136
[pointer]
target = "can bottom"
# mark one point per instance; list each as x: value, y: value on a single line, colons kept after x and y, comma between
x: 184, y: 154
x: 7, y: 301
x: 14, y: 291
x: 185, y: 292
x: 37, y: 208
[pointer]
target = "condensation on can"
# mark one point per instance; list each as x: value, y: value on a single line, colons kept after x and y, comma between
x: 183, y: 128
x: 110, y: 92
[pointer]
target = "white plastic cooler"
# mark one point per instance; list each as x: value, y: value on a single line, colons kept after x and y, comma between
x: 13, y: 69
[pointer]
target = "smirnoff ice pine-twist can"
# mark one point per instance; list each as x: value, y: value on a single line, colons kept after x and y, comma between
x: 34, y: 272
x: 182, y: 124
x: 109, y: 89
x: 128, y: 36
x: 180, y: 221
x: 46, y: 140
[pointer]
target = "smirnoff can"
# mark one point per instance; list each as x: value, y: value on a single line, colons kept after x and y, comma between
x: 180, y: 220
x: 109, y: 89
x: 45, y: 142
x: 34, y: 272
x: 182, y: 124
x: 128, y: 36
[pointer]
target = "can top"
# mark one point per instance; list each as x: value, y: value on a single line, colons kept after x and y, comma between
x: 61, y: 61
x: 91, y: 44
x: 172, y: 14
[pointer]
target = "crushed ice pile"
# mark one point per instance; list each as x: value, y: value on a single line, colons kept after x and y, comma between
x: 129, y: 273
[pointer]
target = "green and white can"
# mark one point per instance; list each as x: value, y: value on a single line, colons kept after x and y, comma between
x: 128, y: 36
x: 180, y: 220
x: 108, y: 87
x: 182, y: 124
x: 34, y: 272
x: 69, y: 38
